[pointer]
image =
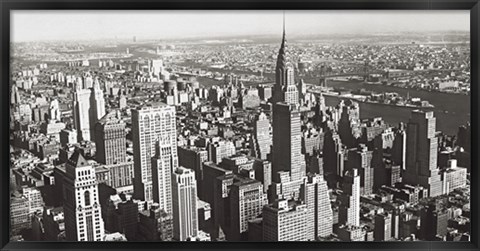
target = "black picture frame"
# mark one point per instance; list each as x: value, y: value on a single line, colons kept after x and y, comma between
x: 8, y: 5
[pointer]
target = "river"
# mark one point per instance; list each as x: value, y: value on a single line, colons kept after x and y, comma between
x: 451, y: 110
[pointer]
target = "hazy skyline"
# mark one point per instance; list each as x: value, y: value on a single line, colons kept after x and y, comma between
x: 32, y: 25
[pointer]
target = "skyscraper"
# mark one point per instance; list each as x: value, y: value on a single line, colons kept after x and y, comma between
x: 349, y: 123
x: 88, y: 108
x: 149, y: 125
x: 288, y: 162
x: 83, y: 219
x: 263, y: 172
x: 422, y: 150
x: 284, y: 89
x: 54, y: 113
x: 361, y: 158
x: 111, y: 149
x: 193, y: 157
x: 315, y: 196
x: 334, y: 161
x: 185, y: 215
x: 162, y: 176
x: 221, y: 205
x: 287, y: 221
x: 287, y: 141
x: 81, y: 112
x: 399, y: 147
x: 262, y: 138
x: 383, y: 227
x: 97, y: 103
x: 110, y: 139
x: 246, y: 202
x: 14, y: 95
x: 349, y: 210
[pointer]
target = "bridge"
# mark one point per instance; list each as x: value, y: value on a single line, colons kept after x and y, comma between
x: 350, y: 74
x: 364, y: 72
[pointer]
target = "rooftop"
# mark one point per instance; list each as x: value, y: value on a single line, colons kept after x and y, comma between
x: 77, y: 160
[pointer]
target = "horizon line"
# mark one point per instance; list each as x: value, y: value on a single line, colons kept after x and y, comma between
x: 247, y: 36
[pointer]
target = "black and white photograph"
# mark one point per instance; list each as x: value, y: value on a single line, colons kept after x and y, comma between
x: 240, y: 125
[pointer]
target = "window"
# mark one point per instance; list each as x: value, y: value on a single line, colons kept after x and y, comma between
x: 87, y: 198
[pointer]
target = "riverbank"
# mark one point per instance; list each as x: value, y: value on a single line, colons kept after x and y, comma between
x: 451, y: 110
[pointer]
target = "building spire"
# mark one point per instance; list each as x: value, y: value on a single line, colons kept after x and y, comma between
x: 283, y: 72
x: 281, y: 59
x: 284, y: 37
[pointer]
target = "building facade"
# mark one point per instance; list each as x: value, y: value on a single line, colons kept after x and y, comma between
x: 162, y: 177
x: 110, y: 139
x: 246, y: 203
x: 287, y: 221
x: 315, y: 195
x: 287, y: 141
x: 83, y: 219
x: 349, y: 210
x: 185, y: 215
x: 151, y: 124
x: 422, y: 150
x: 262, y: 137
x: 88, y: 108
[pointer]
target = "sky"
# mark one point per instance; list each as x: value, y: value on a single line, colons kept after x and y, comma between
x: 40, y: 25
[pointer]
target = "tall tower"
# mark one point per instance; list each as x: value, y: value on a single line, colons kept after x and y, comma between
x: 54, y: 111
x: 422, y: 150
x: 88, y: 108
x: 110, y: 139
x: 83, y: 218
x: 284, y: 88
x: 361, y: 158
x: 349, y: 211
x: 246, y: 203
x: 14, y: 95
x: 185, y: 215
x: 348, y: 125
x: 262, y: 138
x: 97, y: 105
x: 149, y: 125
x: 162, y: 175
x: 399, y: 147
x: 383, y: 227
x: 333, y: 152
x: 81, y: 112
x: 315, y: 196
x: 287, y: 141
